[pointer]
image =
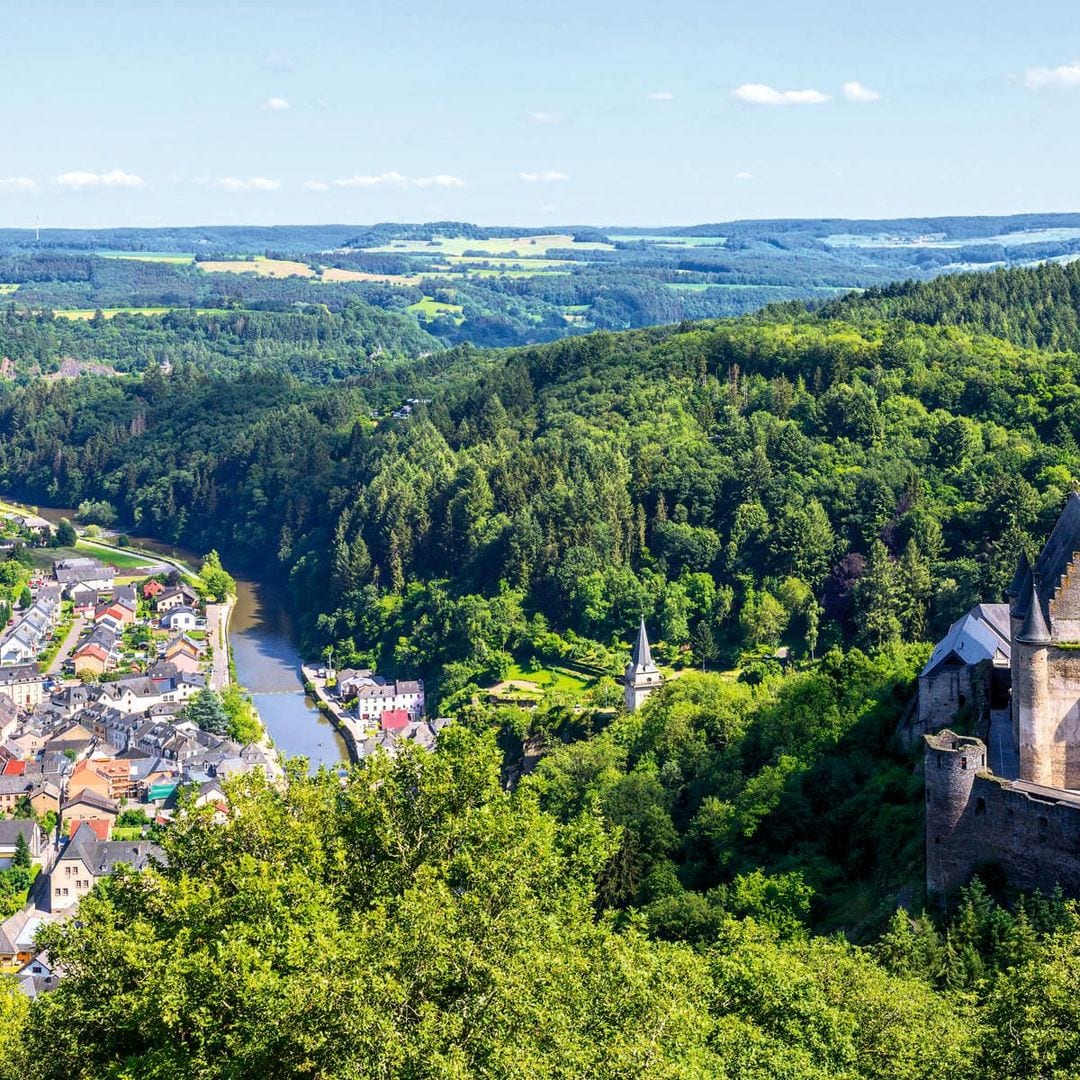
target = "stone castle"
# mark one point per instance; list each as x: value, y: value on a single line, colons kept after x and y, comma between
x: 1010, y: 795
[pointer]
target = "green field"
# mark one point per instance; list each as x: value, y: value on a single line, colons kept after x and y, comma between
x: 429, y: 308
x: 7, y: 287
x: 149, y: 256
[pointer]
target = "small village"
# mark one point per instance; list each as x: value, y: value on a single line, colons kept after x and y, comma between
x: 118, y: 712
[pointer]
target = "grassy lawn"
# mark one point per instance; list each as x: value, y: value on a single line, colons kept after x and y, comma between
x: 556, y: 679
x: 122, y: 560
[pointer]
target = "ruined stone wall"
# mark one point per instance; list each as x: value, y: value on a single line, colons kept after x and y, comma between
x: 944, y: 693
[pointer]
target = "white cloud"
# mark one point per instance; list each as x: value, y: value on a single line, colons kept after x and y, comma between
x: 82, y: 181
x: 551, y: 176
x: 544, y: 117
x: 250, y: 183
x: 760, y: 94
x: 855, y: 91
x: 661, y: 95
x: 21, y: 184
x: 396, y: 179
x: 742, y: 174
x: 276, y: 62
x: 547, y: 208
x: 442, y: 180
x: 1064, y: 75
x: 316, y: 185
x: 275, y: 104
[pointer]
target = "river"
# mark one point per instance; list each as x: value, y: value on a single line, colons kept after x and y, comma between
x: 263, y: 641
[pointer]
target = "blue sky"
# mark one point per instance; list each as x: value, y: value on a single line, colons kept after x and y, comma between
x: 120, y: 112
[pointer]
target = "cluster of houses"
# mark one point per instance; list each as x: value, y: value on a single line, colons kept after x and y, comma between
x: 76, y: 755
x: 80, y: 756
x: 389, y: 712
x: 33, y: 629
x: 110, y: 610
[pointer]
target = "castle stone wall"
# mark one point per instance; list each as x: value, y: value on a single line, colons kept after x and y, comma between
x: 974, y: 818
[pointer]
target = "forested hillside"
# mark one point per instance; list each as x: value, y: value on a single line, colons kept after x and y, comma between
x: 649, y: 899
x: 312, y: 344
x: 1039, y: 305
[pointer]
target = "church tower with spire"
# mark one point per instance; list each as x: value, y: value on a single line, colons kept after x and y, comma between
x: 642, y: 675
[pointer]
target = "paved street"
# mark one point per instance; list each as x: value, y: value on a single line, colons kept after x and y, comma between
x: 69, y: 644
x: 217, y: 623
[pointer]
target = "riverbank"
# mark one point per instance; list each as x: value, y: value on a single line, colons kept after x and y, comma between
x: 347, y: 726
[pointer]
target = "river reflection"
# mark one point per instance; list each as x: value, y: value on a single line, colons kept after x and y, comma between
x: 268, y: 665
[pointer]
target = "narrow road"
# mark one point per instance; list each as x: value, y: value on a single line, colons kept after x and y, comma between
x: 217, y: 634
x: 69, y: 643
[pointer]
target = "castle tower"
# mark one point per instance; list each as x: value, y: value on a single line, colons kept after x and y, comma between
x: 1034, y: 719
x: 952, y: 851
x: 642, y: 676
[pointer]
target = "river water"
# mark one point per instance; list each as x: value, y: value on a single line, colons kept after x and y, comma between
x: 267, y: 662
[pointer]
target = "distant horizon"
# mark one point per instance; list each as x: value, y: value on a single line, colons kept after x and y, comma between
x: 550, y: 227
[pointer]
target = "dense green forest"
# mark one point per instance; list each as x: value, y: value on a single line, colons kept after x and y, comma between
x: 654, y: 897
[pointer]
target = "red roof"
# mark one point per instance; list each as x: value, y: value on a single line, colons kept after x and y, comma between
x: 14, y: 768
x: 152, y: 588
x: 395, y: 720
x: 101, y: 827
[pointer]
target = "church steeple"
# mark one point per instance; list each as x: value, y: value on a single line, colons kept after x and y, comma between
x: 642, y: 676
x: 642, y: 653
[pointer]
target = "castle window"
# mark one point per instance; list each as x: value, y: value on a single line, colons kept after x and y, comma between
x: 937, y: 839
x: 980, y: 805
x: 963, y: 763
x: 962, y: 700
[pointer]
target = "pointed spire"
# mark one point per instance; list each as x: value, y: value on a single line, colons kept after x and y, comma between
x: 1023, y: 569
x: 1034, y: 630
x: 1022, y: 599
x: 642, y: 657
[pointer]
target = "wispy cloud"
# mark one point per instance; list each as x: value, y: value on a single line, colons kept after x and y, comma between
x: 1064, y: 75
x: 245, y: 183
x: 443, y: 180
x: 275, y: 61
x: 316, y: 185
x: 391, y: 179
x: 661, y: 95
x: 275, y: 104
x: 760, y: 94
x: 855, y: 91
x: 742, y: 174
x: 20, y: 184
x: 551, y: 176
x: 115, y: 178
x: 544, y: 117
